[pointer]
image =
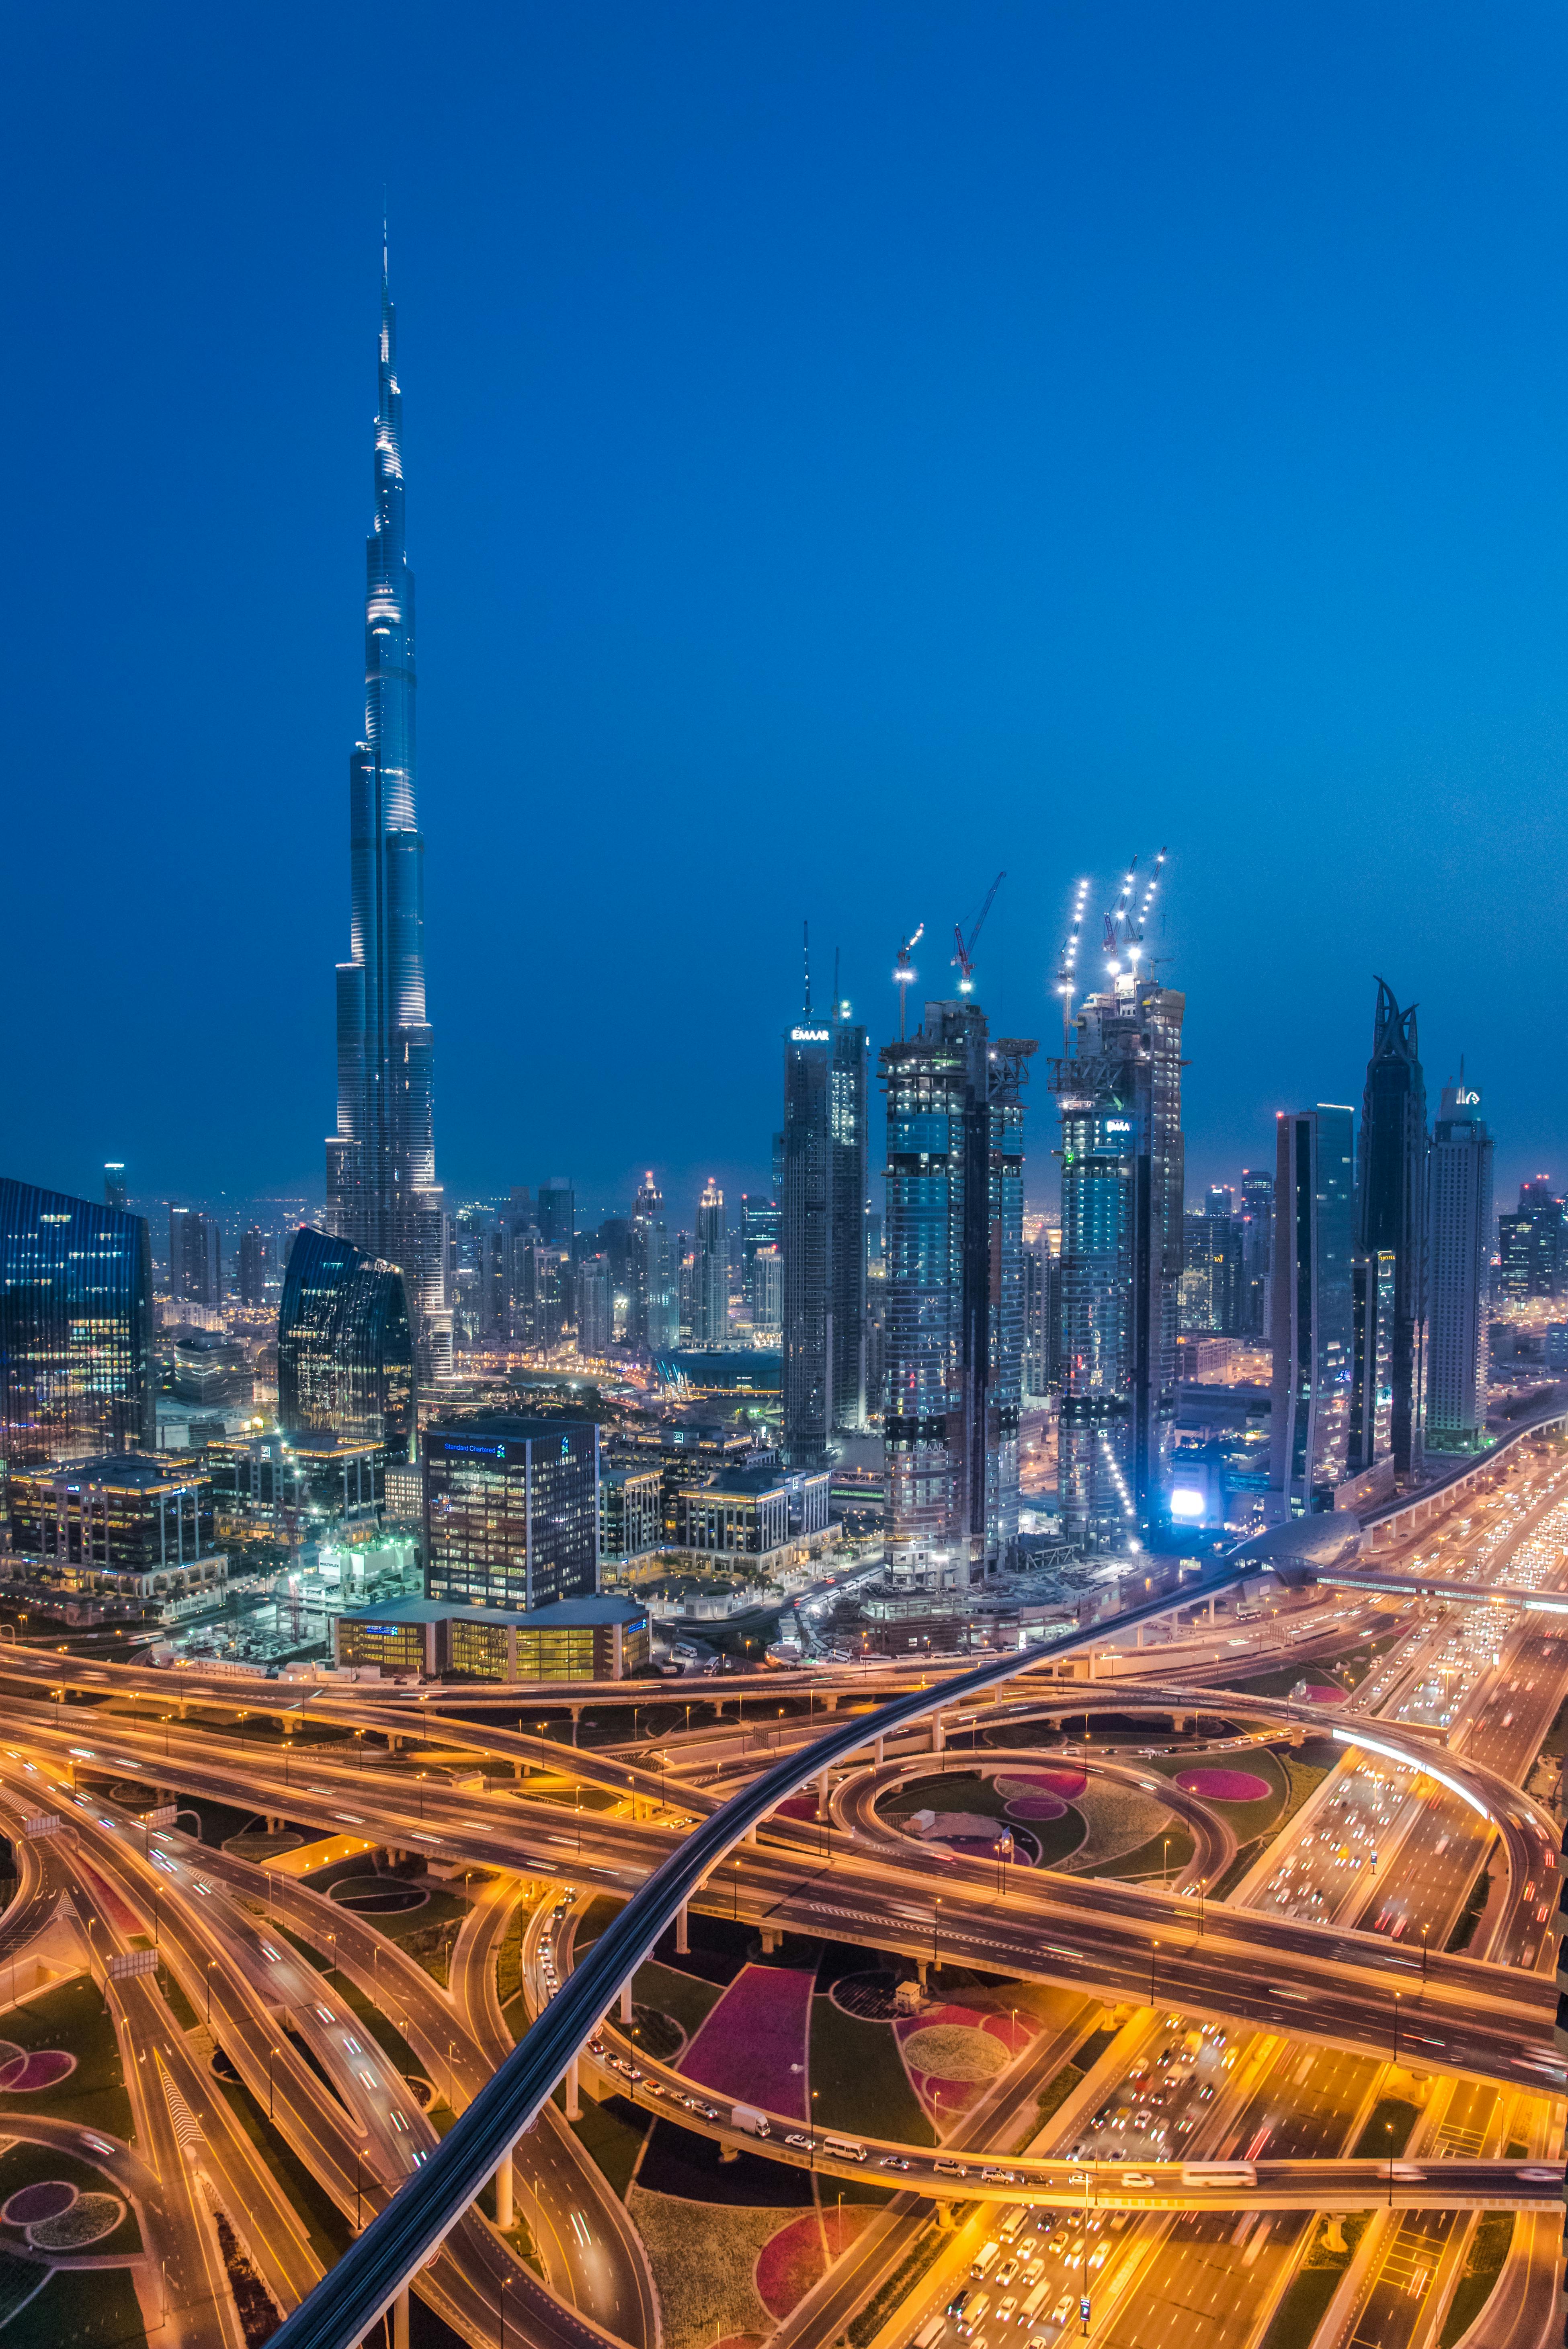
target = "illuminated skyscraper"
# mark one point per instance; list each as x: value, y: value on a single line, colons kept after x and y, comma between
x: 1391, y: 1206
x: 953, y: 1294
x: 1313, y: 1317
x: 346, y: 1349
x: 1122, y: 1177
x: 822, y: 1230
x: 1458, y: 1229
x: 382, y: 1193
x: 710, y: 1274
x: 76, y: 1372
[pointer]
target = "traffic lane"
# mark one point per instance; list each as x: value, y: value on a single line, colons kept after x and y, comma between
x: 1087, y: 1910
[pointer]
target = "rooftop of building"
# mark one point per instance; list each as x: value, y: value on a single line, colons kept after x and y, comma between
x: 504, y: 1426
x: 559, y: 1615
x: 133, y: 1472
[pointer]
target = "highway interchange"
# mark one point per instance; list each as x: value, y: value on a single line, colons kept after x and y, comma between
x: 1307, y: 1985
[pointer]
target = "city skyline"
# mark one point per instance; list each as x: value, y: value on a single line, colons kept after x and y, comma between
x: 650, y: 428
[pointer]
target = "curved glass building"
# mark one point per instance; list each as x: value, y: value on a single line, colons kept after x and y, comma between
x: 76, y: 1328
x: 345, y: 1345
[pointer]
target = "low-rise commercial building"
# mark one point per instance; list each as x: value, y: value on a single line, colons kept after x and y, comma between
x: 769, y: 1515
x: 125, y: 1526
x: 569, y: 1640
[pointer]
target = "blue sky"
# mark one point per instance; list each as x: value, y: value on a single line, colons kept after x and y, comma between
x: 850, y: 450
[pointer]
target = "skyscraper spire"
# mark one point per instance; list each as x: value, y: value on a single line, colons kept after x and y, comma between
x: 381, y: 1164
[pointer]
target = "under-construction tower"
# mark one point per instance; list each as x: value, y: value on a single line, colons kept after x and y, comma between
x: 1119, y: 1087
x: 954, y: 1250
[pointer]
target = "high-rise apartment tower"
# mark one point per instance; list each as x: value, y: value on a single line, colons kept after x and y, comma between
x: 1313, y: 1332
x: 381, y: 1188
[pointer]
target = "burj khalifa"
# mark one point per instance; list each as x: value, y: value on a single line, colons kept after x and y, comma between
x: 381, y: 1188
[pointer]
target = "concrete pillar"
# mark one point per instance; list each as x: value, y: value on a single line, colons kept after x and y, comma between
x: 627, y: 1999
x: 880, y: 1749
x: 504, y: 2210
x: 576, y: 1717
x: 683, y: 1947
x: 573, y: 2109
x: 751, y: 1834
x: 938, y: 1741
x: 519, y: 1768
x: 822, y: 1796
x: 401, y: 2320
x: 920, y: 1972
x: 1140, y: 1631
x: 769, y: 1940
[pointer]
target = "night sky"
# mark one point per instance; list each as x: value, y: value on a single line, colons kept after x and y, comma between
x: 850, y: 450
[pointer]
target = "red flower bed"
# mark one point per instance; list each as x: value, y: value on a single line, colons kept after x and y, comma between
x: 754, y: 2035
x: 37, y: 2071
x: 1225, y: 1785
x: 789, y: 2265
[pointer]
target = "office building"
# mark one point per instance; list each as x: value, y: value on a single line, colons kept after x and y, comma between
x: 1309, y: 1410
x: 1257, y: 1249
x: 761, y: 1228
x: 114, y: 1186
x: 1458, y: 1245
x: 1122, y: 1239
x: 710, y: 1271
x: 1532, y: 1246
x: 511, y: 1511
x: 653, y: 1319
x: 211, y: 1368
x: 289, y: 1489
x: 345, y: 1346
x: 76, y: 1372
x: 767, y: 1289
x: 255, y: 1265
x: 122, y: 1526
x: 195, y: 1258
x: 568, y: 1639
x: 1391, y: 1205
x: 952, y: 1296
x: 823, y: 1235
x: 630, y: 1517
x: 1369, y: 1443
x: 556, y: 1212
x: 595, y: 1306
x: 382, y: 1193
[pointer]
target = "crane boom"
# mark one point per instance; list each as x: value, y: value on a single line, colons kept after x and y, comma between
x: 964, y: 955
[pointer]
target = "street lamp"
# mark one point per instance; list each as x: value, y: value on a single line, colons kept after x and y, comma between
x: 271, y: 2053
x: 936, y: 1924
x: 1153, y: 1952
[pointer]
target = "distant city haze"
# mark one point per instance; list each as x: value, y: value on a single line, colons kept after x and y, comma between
x: 848, y: 454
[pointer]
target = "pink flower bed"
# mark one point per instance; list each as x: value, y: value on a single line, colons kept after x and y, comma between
x: 797, y: 1806
x: 950, y: 2097
x: 791, y: 2261
x: 1036, y: 1807
x: 48, y: 2199
x: 37, y: 2071
x: 755, y: 2034
x: 1316, y: 1694
x: 1225, y: 1785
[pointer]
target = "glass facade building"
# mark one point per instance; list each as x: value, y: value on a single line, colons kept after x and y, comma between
x: 1458, y: 1243
x: 381, y: 1187
x: 511, y: 1511
x: 1391, y: 1206
x: 952, y: 1296
x: 124, y: 1524
x: 1123, y: 1172
x: 345, y: 1346
x: 1313, y: 1330
x: 822, y: 1233
x: 76, y: 1375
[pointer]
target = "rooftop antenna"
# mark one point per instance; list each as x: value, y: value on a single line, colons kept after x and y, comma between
x: 836, y: 1014
x: 806, y: 958
x: 904, y: 974
x: 965, y: 956
x: 1066, y: 966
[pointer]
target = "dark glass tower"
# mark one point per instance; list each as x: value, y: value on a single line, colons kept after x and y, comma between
x: 823, y: 1232
x: 382, y: 1193
x: 76, y: 1372
x: 346, y: 1350
x: 954, y: 1296
x: 1391, y: 1208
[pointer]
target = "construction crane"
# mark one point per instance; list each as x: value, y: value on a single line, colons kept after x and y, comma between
x: 1066, y: 966
x: 904, y: 974
x: 964, y: 955
x: 1124, y: 929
